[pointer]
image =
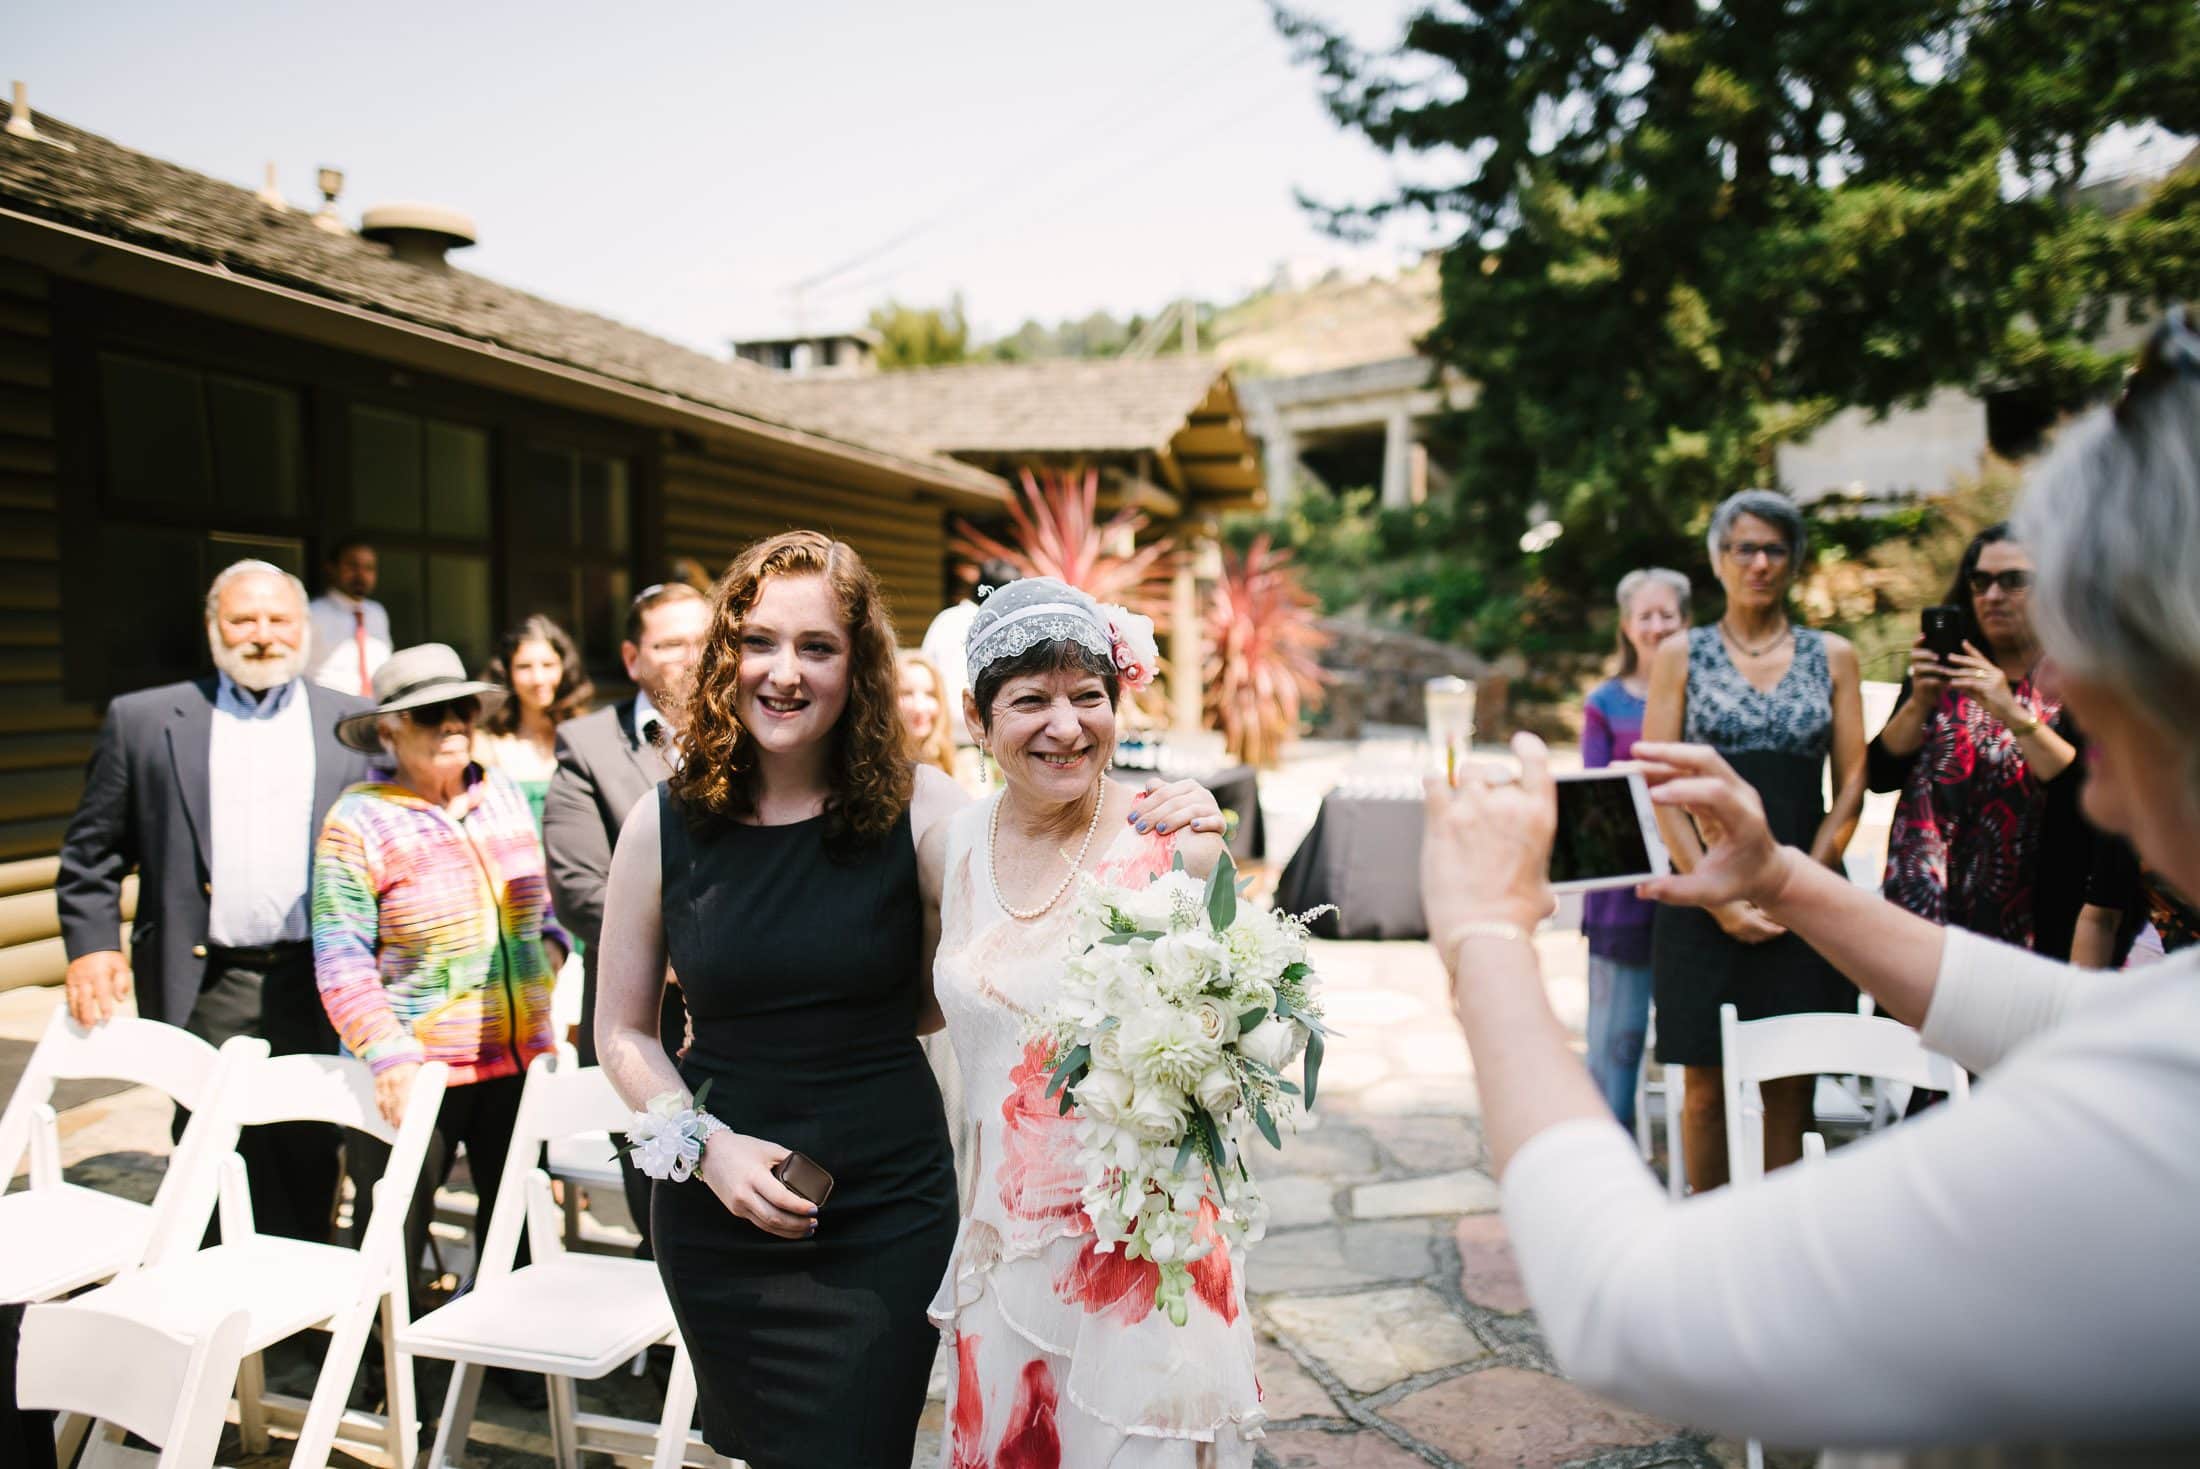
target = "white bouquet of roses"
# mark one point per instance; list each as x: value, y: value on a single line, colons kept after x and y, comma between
x: 1179, y: 1012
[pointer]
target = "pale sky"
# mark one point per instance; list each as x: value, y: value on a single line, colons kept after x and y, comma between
x: 681, y: 166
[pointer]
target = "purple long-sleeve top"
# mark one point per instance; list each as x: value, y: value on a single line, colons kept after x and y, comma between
x: 1616, y: 921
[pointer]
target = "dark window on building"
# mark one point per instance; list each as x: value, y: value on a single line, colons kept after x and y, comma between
x: 420, y: 491
x: 180, y: 439
x: 572, y: 535
x: 197, y: 469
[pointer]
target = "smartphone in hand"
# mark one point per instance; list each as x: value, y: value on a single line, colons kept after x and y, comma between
x: 1607, y: 833
x: 1943, y: 628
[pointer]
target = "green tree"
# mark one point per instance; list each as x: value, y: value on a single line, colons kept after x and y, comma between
x: 920, y: 336
x: 1695, y: 228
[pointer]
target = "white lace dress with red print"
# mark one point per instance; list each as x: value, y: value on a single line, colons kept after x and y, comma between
x: 1061, y: 1360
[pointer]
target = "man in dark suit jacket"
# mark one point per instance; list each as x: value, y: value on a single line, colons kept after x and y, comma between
x: 214, y: 790
x: 608, y: 762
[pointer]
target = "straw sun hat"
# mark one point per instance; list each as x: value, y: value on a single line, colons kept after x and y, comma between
x: 412, y: 678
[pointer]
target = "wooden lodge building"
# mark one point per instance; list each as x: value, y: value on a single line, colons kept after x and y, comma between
x: 192, y: 372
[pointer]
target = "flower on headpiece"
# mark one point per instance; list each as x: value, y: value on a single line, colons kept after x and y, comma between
x: 1131, y: 644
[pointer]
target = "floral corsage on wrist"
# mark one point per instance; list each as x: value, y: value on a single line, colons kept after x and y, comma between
x: 666, y: 1140
x: 1131, y: 644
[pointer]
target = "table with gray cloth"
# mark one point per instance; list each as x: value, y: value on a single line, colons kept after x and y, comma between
x: 1363, y: 854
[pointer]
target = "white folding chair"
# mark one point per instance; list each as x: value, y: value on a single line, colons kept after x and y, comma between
x: 1670, y: 1089
x: 566, y: 1315
x: 168, y: 1390
x: 286, y: 1286
x: 1809, y: 1044
x: 55, y: 1236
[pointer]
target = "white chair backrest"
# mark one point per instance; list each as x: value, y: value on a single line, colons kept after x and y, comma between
x: 1807, y: 1044
x: 142, y: 1052
x: 77, y: 1359
x: 560, y: 1100
x: 337, y: 1089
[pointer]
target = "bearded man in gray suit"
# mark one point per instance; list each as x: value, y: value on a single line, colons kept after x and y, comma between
x: 607, y: 762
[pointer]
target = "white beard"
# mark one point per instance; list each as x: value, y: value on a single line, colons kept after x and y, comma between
x: 257, y: 674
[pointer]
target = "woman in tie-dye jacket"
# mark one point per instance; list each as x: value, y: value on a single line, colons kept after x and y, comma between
x: 433, y: 938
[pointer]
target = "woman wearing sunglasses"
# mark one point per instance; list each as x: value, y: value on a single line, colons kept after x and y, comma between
x: 1987, y: 835
x: 433, y: 938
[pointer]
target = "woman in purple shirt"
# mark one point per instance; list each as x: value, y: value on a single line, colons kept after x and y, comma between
x: 1653, y: 605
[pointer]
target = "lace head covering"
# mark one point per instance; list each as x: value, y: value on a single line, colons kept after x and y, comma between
x: 1034, y: 610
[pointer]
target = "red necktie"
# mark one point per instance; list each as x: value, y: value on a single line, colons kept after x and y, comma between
x: 359, y: 640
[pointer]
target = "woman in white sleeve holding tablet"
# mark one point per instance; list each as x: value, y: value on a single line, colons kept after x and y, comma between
x: 2015, y: 1281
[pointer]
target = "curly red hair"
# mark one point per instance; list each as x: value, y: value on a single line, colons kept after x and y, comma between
x: 872, y: 777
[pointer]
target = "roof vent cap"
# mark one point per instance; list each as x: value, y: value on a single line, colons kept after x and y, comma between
x: 418, y: 234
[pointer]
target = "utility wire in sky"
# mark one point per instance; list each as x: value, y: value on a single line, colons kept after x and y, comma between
x: 1159, y: 100
x: 1215, y: 130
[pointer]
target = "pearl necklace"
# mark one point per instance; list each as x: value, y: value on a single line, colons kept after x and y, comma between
x: 1762, y: 648
x: 993, y: 866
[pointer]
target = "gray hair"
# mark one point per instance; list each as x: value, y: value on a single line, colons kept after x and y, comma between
x: 249, y: 567
x: 1630, y: 587
x: 1652, y: 576
x: 2112, y: 519
x: 1769, y: 506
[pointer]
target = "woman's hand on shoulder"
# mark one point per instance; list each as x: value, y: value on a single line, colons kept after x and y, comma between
x: 1186, y: 812
x: 738, y: 1169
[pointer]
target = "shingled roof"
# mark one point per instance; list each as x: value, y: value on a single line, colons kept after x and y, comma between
x: 99, y: 186
x: 1066, y: 407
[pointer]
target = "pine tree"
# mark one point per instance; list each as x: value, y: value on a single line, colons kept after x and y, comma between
x: 1697, y: 228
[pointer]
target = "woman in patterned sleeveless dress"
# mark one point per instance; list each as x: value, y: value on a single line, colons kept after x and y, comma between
x: 1776, y: 700
x: 1060, y: 1359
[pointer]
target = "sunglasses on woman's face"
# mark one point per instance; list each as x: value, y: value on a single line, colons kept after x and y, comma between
x: 1983, y: 582
x: 431, y: 716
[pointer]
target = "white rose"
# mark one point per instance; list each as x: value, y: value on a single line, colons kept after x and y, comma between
x: 1272, y: 1043
x: 1217, y: 1090
x: 1107, y: 1049
x: 1156, y: 1113
x: 1104, y: 1093
x: 1217, y: 1019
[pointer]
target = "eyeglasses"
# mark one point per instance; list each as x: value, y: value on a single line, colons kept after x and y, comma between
x: 1776, y: 552
x: 2171, y: 350
x: 1982, y: 582
x: 431, y: 716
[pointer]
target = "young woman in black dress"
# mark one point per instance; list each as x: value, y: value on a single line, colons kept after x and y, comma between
x: 777, y: 874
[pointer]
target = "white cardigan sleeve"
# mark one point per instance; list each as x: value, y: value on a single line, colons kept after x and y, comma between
x: 2022, y: 1266
x: 1990, y: 997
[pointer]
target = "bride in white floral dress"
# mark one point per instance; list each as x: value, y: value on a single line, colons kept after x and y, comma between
x: 1061, y: 1359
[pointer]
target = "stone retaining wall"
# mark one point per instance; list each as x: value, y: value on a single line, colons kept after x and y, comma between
x: 1379, y: 675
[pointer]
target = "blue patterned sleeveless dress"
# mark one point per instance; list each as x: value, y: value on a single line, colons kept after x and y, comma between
x: 1778, y: 742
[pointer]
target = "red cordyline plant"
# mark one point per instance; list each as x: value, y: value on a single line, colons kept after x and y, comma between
x: 1055, y: 532
x: 1261, y: 642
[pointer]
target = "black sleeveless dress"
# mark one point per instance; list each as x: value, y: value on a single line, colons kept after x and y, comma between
x: 801, y: 973
x: 1778, y: 742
